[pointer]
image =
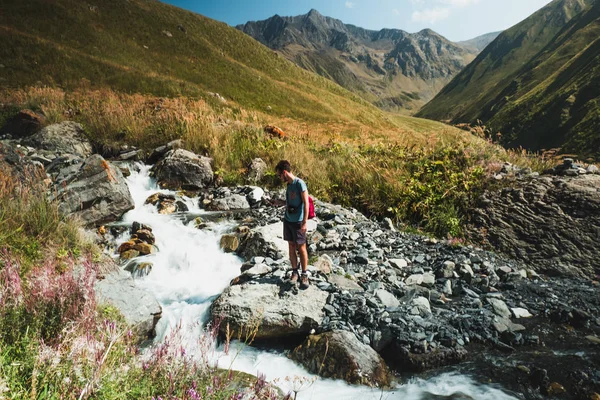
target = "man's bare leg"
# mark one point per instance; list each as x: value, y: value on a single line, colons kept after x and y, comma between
x: 293, y: 255
x: 303, y: 256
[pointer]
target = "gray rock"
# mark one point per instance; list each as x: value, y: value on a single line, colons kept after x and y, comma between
x: 256, y: 170
x: 521, y: 312
x: 344, y: 283
x: 505, y: 324
x: 398, y: 263
x: 65, y: 137
x: 547, y: 222
x: 245, y: 306
x: 500, y: 307
x: 447, y: 269
x: 233, y: 202
x: 139, y: 307
x: 386, y: 298
x: 415, y: 279
x: 592, y: 169
x: 421, y: 305
x: 258, y: 270
x: 182, y: 169
x: 428, y: 280
x: 96, y: 192
x: 324, y: 264
x: 159, y: 152
x: 255, y: 195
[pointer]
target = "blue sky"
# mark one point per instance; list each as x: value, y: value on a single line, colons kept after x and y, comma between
x: 455, y: 19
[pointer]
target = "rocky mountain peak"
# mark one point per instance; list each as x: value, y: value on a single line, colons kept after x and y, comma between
x: 336, y: 50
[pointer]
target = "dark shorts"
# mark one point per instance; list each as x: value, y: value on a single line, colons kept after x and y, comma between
x: 291, y: 232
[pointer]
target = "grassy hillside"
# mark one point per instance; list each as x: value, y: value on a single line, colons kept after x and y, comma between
x: 536, y: 83
x: 139, y: 72
x: 150, y: 47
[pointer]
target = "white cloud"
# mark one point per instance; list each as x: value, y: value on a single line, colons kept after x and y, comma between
x: 431, y: 15
x: 459, y: 3
x: 417, y: 2
x: 349, y: 4
x: 395, y: 11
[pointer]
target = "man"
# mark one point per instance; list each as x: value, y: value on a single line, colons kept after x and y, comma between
x: 294, y: 221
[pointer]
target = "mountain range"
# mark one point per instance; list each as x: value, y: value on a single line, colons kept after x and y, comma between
x: 391, y: 68
x: 537, y: 83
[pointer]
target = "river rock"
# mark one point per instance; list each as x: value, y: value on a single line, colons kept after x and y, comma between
x: 139, y: 308
x: 139, y: 269
x: 229, y: 243
x: 97, y: 193
x: 65, y: 137
x: 340, y: 355
x: 182, y: 169
x: 248, y: 306
x: 233, y: 202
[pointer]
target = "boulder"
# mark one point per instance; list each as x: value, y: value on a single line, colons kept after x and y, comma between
x: 139, y: 308
x: 548, y: 222
x: 24, y: 124
x: 249, y: 306
x: 97, y: 193
x: 182, y: 169
x: 159, y: 152
x: 66, y: 137
x: 340, y: 355
x: 256, y: 243
x: 229, y: 203
x: 256, y: 170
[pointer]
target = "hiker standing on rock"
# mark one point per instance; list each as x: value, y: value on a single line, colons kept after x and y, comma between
x: 294, y: 221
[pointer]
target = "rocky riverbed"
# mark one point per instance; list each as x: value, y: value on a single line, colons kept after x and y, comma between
x: 383, y: 305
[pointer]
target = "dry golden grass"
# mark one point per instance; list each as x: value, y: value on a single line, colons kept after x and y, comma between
x: 349, y: 162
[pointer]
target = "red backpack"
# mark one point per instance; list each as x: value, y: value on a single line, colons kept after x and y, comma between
x: 311, y: 208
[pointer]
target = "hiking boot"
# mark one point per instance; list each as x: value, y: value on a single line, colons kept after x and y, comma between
x: 294, y: 278
x: 304, y: 281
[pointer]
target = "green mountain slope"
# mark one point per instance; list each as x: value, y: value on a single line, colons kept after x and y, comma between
x: 538, y: 83
x: 146, y: 46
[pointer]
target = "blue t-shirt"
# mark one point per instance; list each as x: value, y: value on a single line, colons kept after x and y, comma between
x: 293, y: 199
